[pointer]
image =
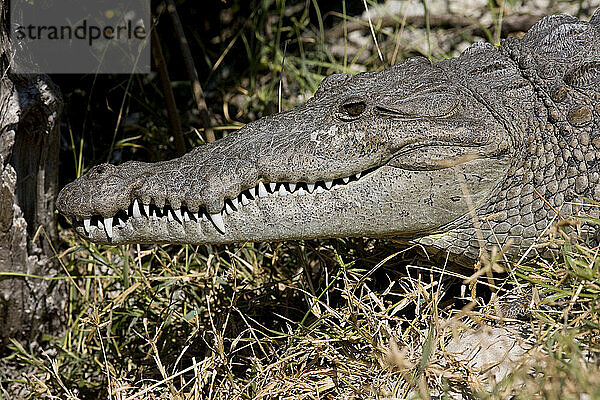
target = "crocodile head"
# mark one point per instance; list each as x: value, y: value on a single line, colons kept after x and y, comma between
x: 488, y: 148
x: 402, y: 152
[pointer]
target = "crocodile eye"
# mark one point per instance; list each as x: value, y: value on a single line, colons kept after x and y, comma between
x: 353, y: 109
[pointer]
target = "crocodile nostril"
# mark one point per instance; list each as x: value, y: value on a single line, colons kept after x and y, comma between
x: 98, y: 171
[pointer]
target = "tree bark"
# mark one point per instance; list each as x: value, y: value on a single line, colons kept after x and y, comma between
x: 30, y: 107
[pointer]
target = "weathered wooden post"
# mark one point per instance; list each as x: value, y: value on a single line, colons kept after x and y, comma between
x: 30, y: 107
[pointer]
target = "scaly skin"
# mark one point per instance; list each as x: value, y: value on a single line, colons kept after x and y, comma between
x: 494, y: 141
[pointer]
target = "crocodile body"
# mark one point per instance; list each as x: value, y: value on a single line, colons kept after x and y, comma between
x: 490, y: 147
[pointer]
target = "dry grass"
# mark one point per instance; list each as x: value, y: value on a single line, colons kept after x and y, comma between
x: 299, y: 321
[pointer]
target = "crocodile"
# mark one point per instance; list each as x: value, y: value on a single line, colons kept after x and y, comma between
x: 488, y: 148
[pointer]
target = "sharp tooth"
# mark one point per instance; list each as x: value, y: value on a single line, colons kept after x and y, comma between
x: 228, y: 208
x: 282, y: 191
x: 121, y: 223
x: 310, y: 187
x: 320, y: 189
x: 100, y: 225
x: 301, y: 192
x: 136, y: 209
x: 272, y: 186
x: 291, y: 187
x: 178, y: 214
x: 235, y: 203
x: 108, y: 226
x: 336, y: 186
x: 262, y: 190
x: 170, y: 215
x: 86, y: 225
x: 204, y: 217
x: 358, y: 175
x: 244, y: 199
x: 147, y: 210
x: 328, y: 184
x: 217, y: 219
x: 346, y: 179
x: 186, y: 216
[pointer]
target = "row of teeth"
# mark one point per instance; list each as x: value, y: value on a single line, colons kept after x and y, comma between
x: 139, y: 210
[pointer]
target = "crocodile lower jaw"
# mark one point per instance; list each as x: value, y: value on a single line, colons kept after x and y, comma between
x: 386, y: 201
